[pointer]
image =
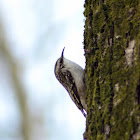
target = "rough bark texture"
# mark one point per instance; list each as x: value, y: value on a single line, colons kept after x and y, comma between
x: 112, y: 49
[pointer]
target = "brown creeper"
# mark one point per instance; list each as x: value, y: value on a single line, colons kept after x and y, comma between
x: 72, y: 77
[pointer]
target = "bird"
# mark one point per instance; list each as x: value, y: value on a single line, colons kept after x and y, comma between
x: 72, y: 77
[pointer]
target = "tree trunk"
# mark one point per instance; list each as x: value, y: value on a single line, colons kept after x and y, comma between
x: 112, y: 50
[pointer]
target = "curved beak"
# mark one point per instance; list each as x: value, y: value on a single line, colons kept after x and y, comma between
x: 62, y: 52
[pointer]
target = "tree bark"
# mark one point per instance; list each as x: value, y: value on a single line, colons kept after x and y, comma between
x: 112, y: 50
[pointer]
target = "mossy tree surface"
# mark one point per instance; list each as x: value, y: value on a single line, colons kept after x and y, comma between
x: 112, y: 48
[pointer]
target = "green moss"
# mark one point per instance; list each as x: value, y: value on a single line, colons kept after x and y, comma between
x: 109, y: 27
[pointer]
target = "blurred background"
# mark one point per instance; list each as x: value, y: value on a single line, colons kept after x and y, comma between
x: 33, y: 104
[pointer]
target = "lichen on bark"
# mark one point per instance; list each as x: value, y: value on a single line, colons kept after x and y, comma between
x: 112, y: 38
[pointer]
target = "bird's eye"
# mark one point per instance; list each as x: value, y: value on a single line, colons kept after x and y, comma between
x: 61, y: 61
